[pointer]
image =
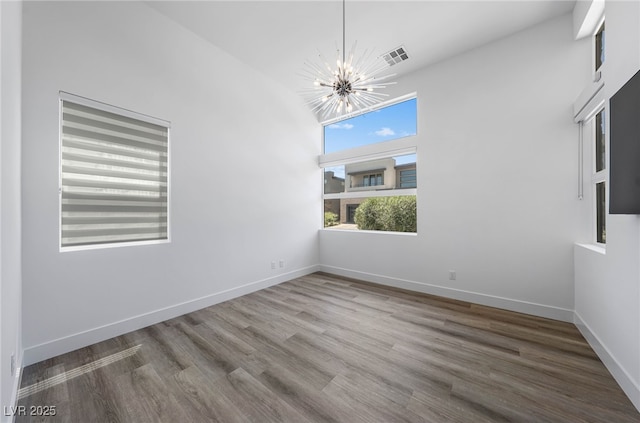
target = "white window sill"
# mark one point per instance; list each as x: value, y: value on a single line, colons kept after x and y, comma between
x: 597, y: 248
x: 330, y: 229
x: 114, y: 245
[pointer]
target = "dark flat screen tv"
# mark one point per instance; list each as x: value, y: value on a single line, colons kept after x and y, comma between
x: 624, y: 145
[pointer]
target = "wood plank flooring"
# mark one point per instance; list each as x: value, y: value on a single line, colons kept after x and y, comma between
x: 326, y: 349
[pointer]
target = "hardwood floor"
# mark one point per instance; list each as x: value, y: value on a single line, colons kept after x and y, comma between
x: 325, y: 349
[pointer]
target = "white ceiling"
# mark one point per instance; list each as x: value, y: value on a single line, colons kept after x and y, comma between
x: 277, y: 37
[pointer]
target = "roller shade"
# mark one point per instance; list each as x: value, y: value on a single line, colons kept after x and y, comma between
x: 114, y: 177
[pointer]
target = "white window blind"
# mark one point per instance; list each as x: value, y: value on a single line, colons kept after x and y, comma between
x: 114, y: 176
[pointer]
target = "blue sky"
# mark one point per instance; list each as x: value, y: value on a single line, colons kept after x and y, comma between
x: 396, y: 121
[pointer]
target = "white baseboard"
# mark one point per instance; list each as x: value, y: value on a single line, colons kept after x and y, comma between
x: 63, y: 345
x: 624, y: 379
x: 540, y: 310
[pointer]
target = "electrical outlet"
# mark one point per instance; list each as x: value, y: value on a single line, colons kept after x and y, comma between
x: 13, y: 364
x: 273, y: 265
x: 281, y: 264
x: 452, y: 275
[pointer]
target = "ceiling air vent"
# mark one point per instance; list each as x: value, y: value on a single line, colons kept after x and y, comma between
x: 396, y: 56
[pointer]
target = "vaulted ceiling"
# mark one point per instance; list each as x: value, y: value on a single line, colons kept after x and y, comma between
x: 276, y: 37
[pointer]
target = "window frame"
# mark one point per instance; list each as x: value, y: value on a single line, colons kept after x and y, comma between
x: 600, y: 219
x: 382, y: 150
x: 599, y: 176
x: 105, y: 107
x: 414, y: 178
x: 599, y: 46
x: 367, y: 179
x: 587, y: 106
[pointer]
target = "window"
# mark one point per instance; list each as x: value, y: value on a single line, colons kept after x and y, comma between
x: 601, y: 228
x: 599, y: 142
x: 367, y: 181
x: 599, y: 47
x: 363, y: 187
x: 599, y: 177
x: 385, y: 124
x: 591, y: 114
x: 370, y: 172
x: 113, y: 175
x: 407, y: 178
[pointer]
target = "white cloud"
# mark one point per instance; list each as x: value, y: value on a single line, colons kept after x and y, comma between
x: 341, y: 126
x: 385, y: 132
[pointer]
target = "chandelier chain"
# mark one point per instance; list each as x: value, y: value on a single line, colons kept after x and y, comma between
x: 343, y: 31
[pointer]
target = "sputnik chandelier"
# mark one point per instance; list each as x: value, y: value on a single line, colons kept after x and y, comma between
x: 349, y: 87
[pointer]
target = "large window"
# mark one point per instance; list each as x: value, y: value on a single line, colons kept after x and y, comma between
x: 113, y: 175
x: 598, y: 124
x: 591, y: 115
x: 370, y: 170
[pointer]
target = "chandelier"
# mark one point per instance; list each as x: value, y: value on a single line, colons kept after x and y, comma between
x: 350, y: 86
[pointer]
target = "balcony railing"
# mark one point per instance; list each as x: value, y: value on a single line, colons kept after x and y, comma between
x: 365, y: 185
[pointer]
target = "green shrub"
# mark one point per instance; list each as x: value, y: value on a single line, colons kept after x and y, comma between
x: 330, y: 219
x: 370, y: 214
x: 396, y: 214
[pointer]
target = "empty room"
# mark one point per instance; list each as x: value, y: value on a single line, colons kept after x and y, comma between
x: 320, y: 211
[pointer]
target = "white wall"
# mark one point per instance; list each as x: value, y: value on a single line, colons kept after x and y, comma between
x: 10, y: 250
x: 497, y: 178
x: 244, y: 188
x: 607, y: 285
